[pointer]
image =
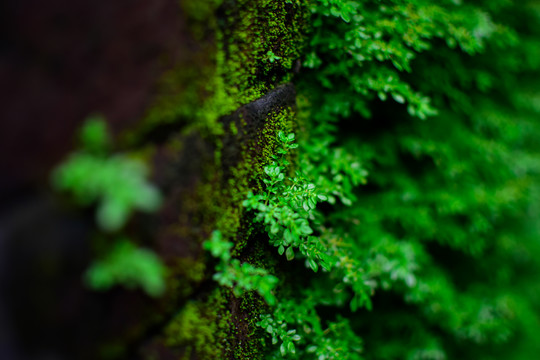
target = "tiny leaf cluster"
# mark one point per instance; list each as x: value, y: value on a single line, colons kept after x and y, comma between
x: 240, y: 277
x: 287, y: 207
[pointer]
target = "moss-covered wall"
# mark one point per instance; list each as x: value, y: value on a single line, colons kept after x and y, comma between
x: 244, y: 97
x: 196, y: 89
x: 228, y: 99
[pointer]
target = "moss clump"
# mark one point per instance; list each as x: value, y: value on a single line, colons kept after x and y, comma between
x: 220, y: 327
x: 225, y: 62
x: 226, y: 93
x: 249, y: 32
x: 198, y: 328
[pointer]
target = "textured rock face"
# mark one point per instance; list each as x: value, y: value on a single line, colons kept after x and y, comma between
x: 191, y: 86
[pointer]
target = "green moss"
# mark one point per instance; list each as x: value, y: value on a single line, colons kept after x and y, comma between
x: 186, y: 273
x: 229, y: 68
x: 197, y: 329
x: 233, y: 129
x: 218, y: 200
x: 251, y: 347
x: 252, y: 29
x: 256, y: 153
x: 217, y: 328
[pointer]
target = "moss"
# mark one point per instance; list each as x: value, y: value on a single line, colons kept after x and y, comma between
x: 198, y: 328
x: 233, y: 129
x: 228, y: 93
x: 226, y: 65
x: 186, y: 273
x: 246, y: 311
x: 251, y: 29
x: 217, y: 200
x: 248, y: 335
x: 245, y: 169
x: 220, y: 327
x: 221, y: 200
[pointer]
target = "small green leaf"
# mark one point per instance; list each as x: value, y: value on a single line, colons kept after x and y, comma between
x: 313, y: 264
x: 287, y: 236
x: 289, y: 253
x: 282, y: 349
x: 400, y: 99
x: 291, y: 348
x: 354, y: 303
x: 306, y: 229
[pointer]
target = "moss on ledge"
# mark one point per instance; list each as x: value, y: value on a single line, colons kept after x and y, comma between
x: 228, y: 99
x: 231, y: 53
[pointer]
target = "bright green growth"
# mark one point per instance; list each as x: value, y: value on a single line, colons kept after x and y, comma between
x: 238, y: 276
x: 336, y: 171
x: 287, y: 207
x: 360, y: 49
x: 129, y: 266
x: 443, y: 233
x: 302, y: 334
x: 118, y: 183
x: 279, y: 332
x: 271, y: 56
x: 196, y: 328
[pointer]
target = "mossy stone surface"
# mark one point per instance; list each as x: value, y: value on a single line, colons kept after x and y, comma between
x: 228, y: 111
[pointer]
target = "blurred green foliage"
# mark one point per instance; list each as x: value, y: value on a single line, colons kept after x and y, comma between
x: 130, y: 266
x: 119, y: 185
x: 117, y: 182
